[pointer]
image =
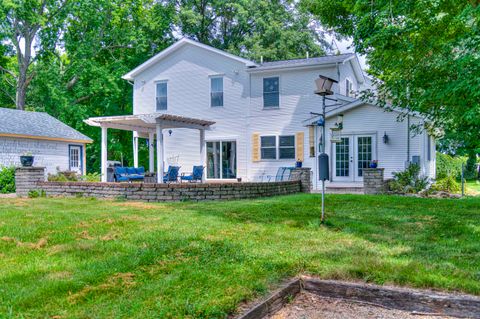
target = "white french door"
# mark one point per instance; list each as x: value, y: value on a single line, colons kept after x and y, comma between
x: 351, y: 156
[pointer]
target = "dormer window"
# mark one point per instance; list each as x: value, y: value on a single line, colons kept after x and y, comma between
x: 349, y: 88
x: 161, y: 96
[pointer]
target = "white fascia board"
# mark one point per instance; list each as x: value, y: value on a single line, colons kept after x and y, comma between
x: 290, y: 67
x: 131, y: 75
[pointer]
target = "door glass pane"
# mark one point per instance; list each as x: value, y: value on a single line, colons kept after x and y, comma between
x: 229, y: 160
x: 364, y: 156
x: 342, y: 157
x: 213, y: 159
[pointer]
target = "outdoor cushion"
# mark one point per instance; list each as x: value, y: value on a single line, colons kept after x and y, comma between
x: 140, y: 170
x: 135, y: 177
x: 131, y: 170
x: 120, y: 170
x: 121, y: 178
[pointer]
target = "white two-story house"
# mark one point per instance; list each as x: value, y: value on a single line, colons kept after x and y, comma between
x: 243, y: 119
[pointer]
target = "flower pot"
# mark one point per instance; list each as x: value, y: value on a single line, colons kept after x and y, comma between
x: 298, y: 164
x: 26, y: 160
x: 239, y: 179
x: 373, y: 165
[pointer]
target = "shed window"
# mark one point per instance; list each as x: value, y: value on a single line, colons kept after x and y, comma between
x: 216, y: 91
x: 161, y: 96
x: 271, y: 93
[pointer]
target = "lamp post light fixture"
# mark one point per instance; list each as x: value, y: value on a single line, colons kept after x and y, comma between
x: 324, y: 87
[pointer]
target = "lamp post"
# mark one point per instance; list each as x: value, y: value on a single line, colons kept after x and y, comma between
x: 324, y: 87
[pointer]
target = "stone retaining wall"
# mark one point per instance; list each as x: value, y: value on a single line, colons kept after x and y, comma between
x: 170, y: 192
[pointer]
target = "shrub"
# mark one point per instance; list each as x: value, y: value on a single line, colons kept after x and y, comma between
x: 449, y: 165
x: 65, y: 176
x: 34, y: 193
x: 91, y: 177
x: 447, y: 184
x: 7, y: 180
x: 409, y: 181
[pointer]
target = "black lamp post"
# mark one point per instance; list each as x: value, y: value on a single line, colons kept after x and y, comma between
x: 324, y: 87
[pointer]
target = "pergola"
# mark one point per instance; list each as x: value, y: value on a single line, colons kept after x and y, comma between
x: 148, y: 125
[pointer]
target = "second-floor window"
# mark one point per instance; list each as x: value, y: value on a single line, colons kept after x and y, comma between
x: 271, y: 92
x: 161, y: 96
x: 348, y: 88
x: 216, y: 91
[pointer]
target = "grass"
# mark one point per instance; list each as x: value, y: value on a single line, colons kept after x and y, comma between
x: 86, y: 258
x: 472, y: 187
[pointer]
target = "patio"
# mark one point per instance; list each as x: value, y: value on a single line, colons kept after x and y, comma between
x: 149, y: 126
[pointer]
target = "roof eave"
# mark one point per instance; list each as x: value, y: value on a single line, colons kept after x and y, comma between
x: 289, y: 67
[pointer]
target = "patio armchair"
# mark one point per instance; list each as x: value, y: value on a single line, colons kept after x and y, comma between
x: 195, y: 176
x: 171, y: 175
x: 283, y: 174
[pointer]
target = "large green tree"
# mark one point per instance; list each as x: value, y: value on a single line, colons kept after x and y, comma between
x: 251, y: 28
x: 424, y: 53
x: 27, y: 28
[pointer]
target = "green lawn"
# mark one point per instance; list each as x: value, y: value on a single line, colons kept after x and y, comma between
x: 473, y: 187
x: 86, y: 258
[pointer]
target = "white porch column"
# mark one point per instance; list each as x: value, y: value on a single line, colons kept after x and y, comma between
x: 104, y: 154
x: 135, y: 149
x: 151, y: 155
x: 160, y: 169
x: 203, y: 155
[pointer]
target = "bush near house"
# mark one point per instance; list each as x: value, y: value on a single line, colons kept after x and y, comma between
x: 409, y: 181
x: 449, y: 165
x: 447, y: 184
x: 7, y: 180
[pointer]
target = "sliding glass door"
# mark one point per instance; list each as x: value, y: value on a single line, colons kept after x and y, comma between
x: 221, y: 159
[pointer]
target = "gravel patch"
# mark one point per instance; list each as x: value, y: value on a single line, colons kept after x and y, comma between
x: 310, y: 306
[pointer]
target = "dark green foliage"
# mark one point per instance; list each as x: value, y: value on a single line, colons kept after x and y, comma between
x: 447, y: 184
x: 471, y: 167
x: 448, y: 165
x: 66, y: 176
x: 7, y: 180
x: 424, y: 55
x: 35, y: 193
x: 409, y: 181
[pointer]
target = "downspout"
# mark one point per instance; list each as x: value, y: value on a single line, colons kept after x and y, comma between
x: 408, y: 138
x: 248, y: 129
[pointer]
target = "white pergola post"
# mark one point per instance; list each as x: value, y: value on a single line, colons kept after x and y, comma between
x: 104, y: 154
x: 151, y: 156
x: 203, y: 155
x: 135, y: 149
x: 160, y: 169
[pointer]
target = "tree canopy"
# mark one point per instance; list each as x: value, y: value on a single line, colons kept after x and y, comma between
x: 425, y: 55
x: 81, y: 48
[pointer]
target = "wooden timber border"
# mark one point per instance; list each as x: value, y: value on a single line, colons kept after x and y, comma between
x: 415, y: 301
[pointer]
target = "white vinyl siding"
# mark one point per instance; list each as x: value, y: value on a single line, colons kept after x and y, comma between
x: 271, y: 92
x: 162, y: 93
x: 216, y: 91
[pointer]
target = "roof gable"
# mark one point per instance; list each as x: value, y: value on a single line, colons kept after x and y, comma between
x: 177, y: 45
x: 17, y: 123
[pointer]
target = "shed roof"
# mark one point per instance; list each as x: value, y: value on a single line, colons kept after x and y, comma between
x: 39, y: 125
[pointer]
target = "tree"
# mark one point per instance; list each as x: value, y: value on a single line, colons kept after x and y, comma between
x: 22, y: 23
x: 424, y: 55
x: 251, y: 28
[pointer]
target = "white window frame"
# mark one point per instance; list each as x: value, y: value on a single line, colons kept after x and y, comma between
x: 263, y: 93
x: 156, y: 94
x: 211, y: 91
x: 348, y: 87
x: 277, y: 147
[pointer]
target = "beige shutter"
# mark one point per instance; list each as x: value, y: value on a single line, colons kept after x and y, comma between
x: 256, y: 147
x: 299, y: 145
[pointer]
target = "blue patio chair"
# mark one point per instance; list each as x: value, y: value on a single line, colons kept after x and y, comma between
x: 120, y: 174
x: 171, y: 175
x: 278, y: 176
x: 197, y: 174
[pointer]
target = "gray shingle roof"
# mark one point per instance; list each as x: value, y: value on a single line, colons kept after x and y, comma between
x: 327, y: 59
x: 39, y: 124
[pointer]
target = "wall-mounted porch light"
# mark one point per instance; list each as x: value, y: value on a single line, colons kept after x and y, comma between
x: 170, y: 132
x: 385, y: 138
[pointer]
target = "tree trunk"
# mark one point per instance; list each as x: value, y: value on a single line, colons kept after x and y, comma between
x: 22, y: 85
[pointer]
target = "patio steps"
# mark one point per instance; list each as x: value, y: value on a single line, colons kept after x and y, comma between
x: 344, y: 190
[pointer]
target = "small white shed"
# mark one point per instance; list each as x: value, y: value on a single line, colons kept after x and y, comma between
x: 53, y: 144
